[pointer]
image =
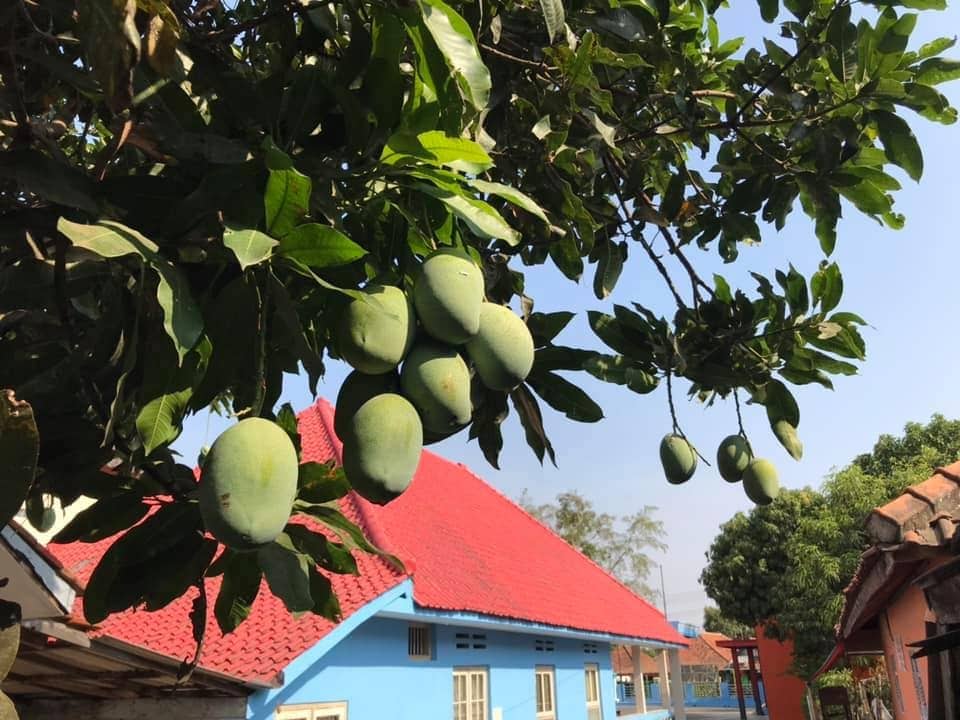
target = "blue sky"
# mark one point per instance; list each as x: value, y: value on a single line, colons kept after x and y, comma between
x: 901, y: 282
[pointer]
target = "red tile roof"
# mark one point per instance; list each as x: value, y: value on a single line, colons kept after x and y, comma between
x: 700, y: 652
x: 467, y: 547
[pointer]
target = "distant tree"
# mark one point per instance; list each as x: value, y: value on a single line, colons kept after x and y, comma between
x: 619, y: 544
x: 786, y: 564
x: 716, y: 621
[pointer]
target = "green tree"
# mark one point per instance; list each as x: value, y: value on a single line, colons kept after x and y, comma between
x: 818, y: 546
x: 619, y: 544
x: 191, y: 192
x: 716, y: 621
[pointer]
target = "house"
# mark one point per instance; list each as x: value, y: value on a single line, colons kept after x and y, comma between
x: 904, y: 599
x: 700, y: 662
x: 493, y: 617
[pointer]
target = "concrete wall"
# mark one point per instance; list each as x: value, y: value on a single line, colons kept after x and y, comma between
x: 371, y: 671
x: 901, y: 623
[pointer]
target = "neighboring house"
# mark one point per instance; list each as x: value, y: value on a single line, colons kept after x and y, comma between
x: 493, y: 618
x: 701, y: 662
x: 904, y: 599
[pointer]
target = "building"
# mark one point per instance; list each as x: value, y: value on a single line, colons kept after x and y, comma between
x: 904, y: 600
x: 493, y: 617
x: 701, y: 662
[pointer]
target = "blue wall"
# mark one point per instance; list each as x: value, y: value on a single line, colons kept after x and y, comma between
x: 370, y: 669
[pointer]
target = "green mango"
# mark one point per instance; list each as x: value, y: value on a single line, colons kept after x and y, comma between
x: 760, y: 482
x: 502, y: 350
x: 248, y: 484
x: 356, y: 389
x: 374, y: 335
x: 382, y: 448
x: 448, y: 294
x: 437, y: 381
x: 678, y: 458
x: 733, y: 456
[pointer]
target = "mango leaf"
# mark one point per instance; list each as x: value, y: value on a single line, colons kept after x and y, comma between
x: 787, y: 435
x: 328, y: 555
x: 182, y: 566
x: 437, y: 148
x: 563, y: 396
x: 104, y: 518
x: 286, y: 200
x: 531, y: 418
x: 454, y: 38
x: 780, y: 403
x: 319, y: 246
x: 511, y: 195
x: 325, y: 601
x: 937, y: 70
x: 480, y: 217
x: 899, y: 143
x: 19, y: 449
x: 546, y: 326
x: 240, y: 586
x: 321, y: 482
x: 181, y: 316
x: 55, y: 182
x: 111, y: 43
x: 609, y: 267
x: 769, y: 9
x: 553, y: 15
x: 287, y: 572
x: 350, y: 533
x: 251, y: 247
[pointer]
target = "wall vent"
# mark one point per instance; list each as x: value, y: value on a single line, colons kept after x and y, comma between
x: 418, y: 642
x: 590, y: 648
x: 543, y: 645
x: 466, y: 641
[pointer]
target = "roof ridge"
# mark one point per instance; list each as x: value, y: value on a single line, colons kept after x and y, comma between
x: 516, y: 506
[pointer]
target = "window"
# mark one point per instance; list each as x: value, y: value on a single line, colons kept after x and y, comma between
x: 546, y: 700
x: 469, y: 694
x: 418, y: 642
x: 591, y: 676
x: 464, y: 640
x: 316, y: 711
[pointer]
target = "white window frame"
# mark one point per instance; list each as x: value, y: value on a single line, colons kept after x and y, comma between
x: 591, y: 679
x: 546, y: 679
x: 312, y: 711
x: 468, y: 703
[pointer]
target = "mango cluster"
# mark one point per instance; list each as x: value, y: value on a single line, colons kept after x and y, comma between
x: 414, y: 358
x: 735, y: 462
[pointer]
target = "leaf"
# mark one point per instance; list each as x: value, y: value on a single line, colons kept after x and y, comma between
x: 437, y: 148
x: 558, y: 357
x: 553, y: 15
x: 104, y: 518
x: 769, y: 9
x: 36, y: 173
x: 182, y: 566
x: 286, y: 200
x: 826, y: 285
x: 161, y: 46
x: 609, y: 267
x: 111, y: 42
x: 240, y: 586
x: 546, y: 326
x: 511, y: 195
x: 562, y: 395
x: 455, y: 40
x: 899, y: 143
x: 251, y: 247
x: 325, y: 601
x: 787, y: 435
x: 181, y: 315
x: 319, y: 246
x: 19, y: 449
x: 350, y: 533
x: 780, y: 403
x: 528, y: 410
x: 321, y: 482
x: 328, y: 555
x: 480, y: 217
x: 287, y: 572
x: 937, y: 70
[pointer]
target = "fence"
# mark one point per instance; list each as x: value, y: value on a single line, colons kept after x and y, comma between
x: 717, y: 694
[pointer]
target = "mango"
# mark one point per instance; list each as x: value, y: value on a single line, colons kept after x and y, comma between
x: 382, y: 448
x: 733, y: 456
x: 502, y: 350
x: 437, y: 381
x: 678, y: 458
x: 374, y: 335
x: 760, y: 481
x: 447, y: 295
x: 356, y: 389
x: 248, y: 484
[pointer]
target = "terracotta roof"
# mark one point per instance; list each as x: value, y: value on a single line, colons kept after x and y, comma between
x: 701, y: 651
x: 468, y: 547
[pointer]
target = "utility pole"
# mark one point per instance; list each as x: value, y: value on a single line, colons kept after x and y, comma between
x: 663, y: 592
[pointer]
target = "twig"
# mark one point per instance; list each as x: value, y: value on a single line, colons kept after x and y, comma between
x: 263, y: 301
x: 695, y: 279
x: 513, y: 58
x: 743, y: 433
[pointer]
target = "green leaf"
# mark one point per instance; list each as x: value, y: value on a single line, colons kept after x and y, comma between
x: 182, y: 566
x: 562, y: 395
x: 455, y: 40
x: 19, y: 449
x: 899, y: 143
x: 559, y: 357
x: 826, y: 285
x: 325, y: 602
x: 780, y: 403
x: 437, y: 148
x: 287, y: 572
x: 36, y: 173
x: 553, y: 15
x: 286, y: 200
x: 937, y: 70
x: 104, y: 518
x: 321, y: 482
x: 181, y: 316
x: 528, y: 410
x: 480, y: 217
x: 787, y: 435
x: 319, y: 246
x: 328, y: 555
x: 350, y: 533
x: 609, y: 267
x: 769, y: 9
x: 240, y: 586
x: 251, y: 247
x: 511, y: 195
x: 867, y: 197
x: 546, y: 326
x: 160, y: 420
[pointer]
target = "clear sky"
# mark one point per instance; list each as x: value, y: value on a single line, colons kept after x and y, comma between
x: 902, y: 282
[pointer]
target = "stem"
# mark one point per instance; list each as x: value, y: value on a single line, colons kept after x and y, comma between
x: 743, y: 433
x: 263, y: 311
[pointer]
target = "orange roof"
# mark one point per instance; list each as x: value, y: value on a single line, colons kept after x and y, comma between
x: 701, y: 651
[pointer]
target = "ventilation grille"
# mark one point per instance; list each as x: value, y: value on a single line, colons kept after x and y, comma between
x: 418, y: 642
x: 543, y: 645
x: 466, y: 641
x: 590, y: 648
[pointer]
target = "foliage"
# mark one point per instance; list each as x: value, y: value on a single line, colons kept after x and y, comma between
x: 716, y: 621
x: 190, y: 192
x: 619, y: 544
x: 797, y: 567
